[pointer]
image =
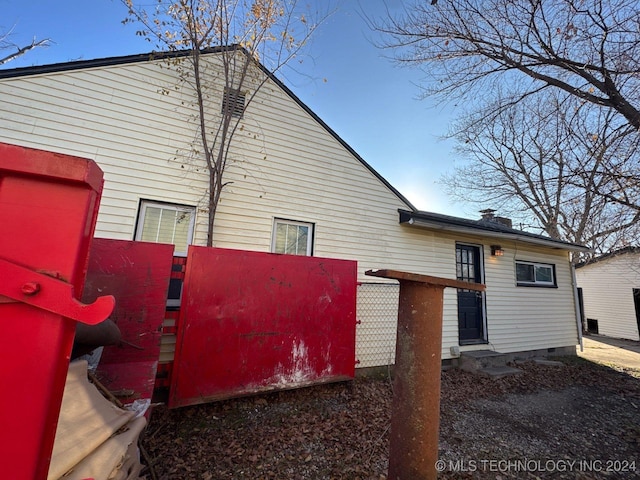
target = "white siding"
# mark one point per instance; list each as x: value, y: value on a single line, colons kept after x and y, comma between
x: 529, y: 318
x: 518, y: 318
x: 607, y: 288
x: 286, y: 166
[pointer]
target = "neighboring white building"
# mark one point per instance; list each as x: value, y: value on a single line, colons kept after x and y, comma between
x: 290, y: 172
x: 611, y: 293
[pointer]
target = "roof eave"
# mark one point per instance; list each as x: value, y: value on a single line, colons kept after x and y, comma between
x: 628, y: 250
x: 519, y: 237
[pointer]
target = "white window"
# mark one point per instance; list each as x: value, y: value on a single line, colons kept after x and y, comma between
x: 535, y: 274
x: 295, y: 238
x: 166, y: 223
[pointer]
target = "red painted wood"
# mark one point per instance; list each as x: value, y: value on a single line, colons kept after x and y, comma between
x: 137, y: 275
x: 253, y: 322
x: 48, y: 208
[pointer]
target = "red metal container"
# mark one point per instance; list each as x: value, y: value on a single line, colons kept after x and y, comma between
x: 137, y: 275
x: 253, y: 322
x: 48, y: 208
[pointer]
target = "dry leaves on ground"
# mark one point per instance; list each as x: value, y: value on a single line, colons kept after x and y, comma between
x: 581, y: 411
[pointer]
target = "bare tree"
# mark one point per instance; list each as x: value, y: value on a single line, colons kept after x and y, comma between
x: 587, y: 48
x: 556, y: 164
x: 6, y: 44
x: 227, y: 42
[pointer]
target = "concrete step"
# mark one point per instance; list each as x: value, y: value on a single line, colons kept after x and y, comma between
x: 475, y: 360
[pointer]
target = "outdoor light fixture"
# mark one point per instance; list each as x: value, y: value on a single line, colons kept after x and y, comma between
x: 496, y: 251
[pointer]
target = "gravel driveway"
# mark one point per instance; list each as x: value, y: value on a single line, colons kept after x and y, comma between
x: 578, y: 421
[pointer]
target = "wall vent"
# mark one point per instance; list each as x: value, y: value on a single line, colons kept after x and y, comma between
x: 233, y: 102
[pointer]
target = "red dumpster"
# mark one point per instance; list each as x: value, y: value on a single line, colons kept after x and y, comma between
x: 48, y: 208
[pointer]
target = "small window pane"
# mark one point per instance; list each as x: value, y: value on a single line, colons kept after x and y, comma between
x: 524, y: 272
x: 281, y: 236
x: 182, y: 230
x: 150, y: 225
x: 301, y: 244
x: 295, y: 240
x: 166, y: 226
x: 544, y: 274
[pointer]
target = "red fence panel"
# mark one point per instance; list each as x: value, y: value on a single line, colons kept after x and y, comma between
x: 253, y: 322
x: 137, y: 275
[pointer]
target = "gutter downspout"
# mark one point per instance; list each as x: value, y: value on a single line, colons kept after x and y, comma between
x: 576, y: 305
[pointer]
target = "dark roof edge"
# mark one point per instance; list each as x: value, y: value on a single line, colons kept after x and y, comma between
x: 490, y: 229
x: 102, y: 62
x: 145, y: 57
x: 84, y: 64
x: 607, y: 256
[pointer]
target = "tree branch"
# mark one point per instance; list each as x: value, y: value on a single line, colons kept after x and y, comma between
x: 22, y: 50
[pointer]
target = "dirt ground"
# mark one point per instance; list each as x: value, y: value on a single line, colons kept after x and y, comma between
x: 615, y: 352
x: 578, y: 421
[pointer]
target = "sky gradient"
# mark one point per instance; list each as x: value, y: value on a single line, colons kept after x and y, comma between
x: 345, y: 79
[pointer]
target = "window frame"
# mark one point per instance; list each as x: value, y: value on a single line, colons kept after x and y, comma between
x: 536, y: 283
x: 283, y: 221
x: 142, y: 209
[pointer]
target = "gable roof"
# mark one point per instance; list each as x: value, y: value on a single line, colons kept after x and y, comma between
x: 153, y: 56
x: 607, y: 256
x: 488, y: 228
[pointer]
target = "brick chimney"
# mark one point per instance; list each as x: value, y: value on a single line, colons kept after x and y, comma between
x: 488, y: 215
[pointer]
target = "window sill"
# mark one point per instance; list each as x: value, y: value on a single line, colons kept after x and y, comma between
x: 535, y: 285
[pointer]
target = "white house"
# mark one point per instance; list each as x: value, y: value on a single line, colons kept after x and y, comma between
x: 611, y: 293
x: 290, y: 172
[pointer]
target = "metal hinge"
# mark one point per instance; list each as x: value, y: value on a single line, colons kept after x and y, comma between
x: 20, y: 284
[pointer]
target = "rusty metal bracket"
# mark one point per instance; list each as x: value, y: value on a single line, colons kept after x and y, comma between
x: 51, y: 294
x: 425, y: 279
x: 415, y: 415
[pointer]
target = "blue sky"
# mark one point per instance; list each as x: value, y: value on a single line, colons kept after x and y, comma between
x: 368, y: 100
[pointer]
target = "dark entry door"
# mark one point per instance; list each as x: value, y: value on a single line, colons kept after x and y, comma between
x: 636, y: 302
x: 470, y: 309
